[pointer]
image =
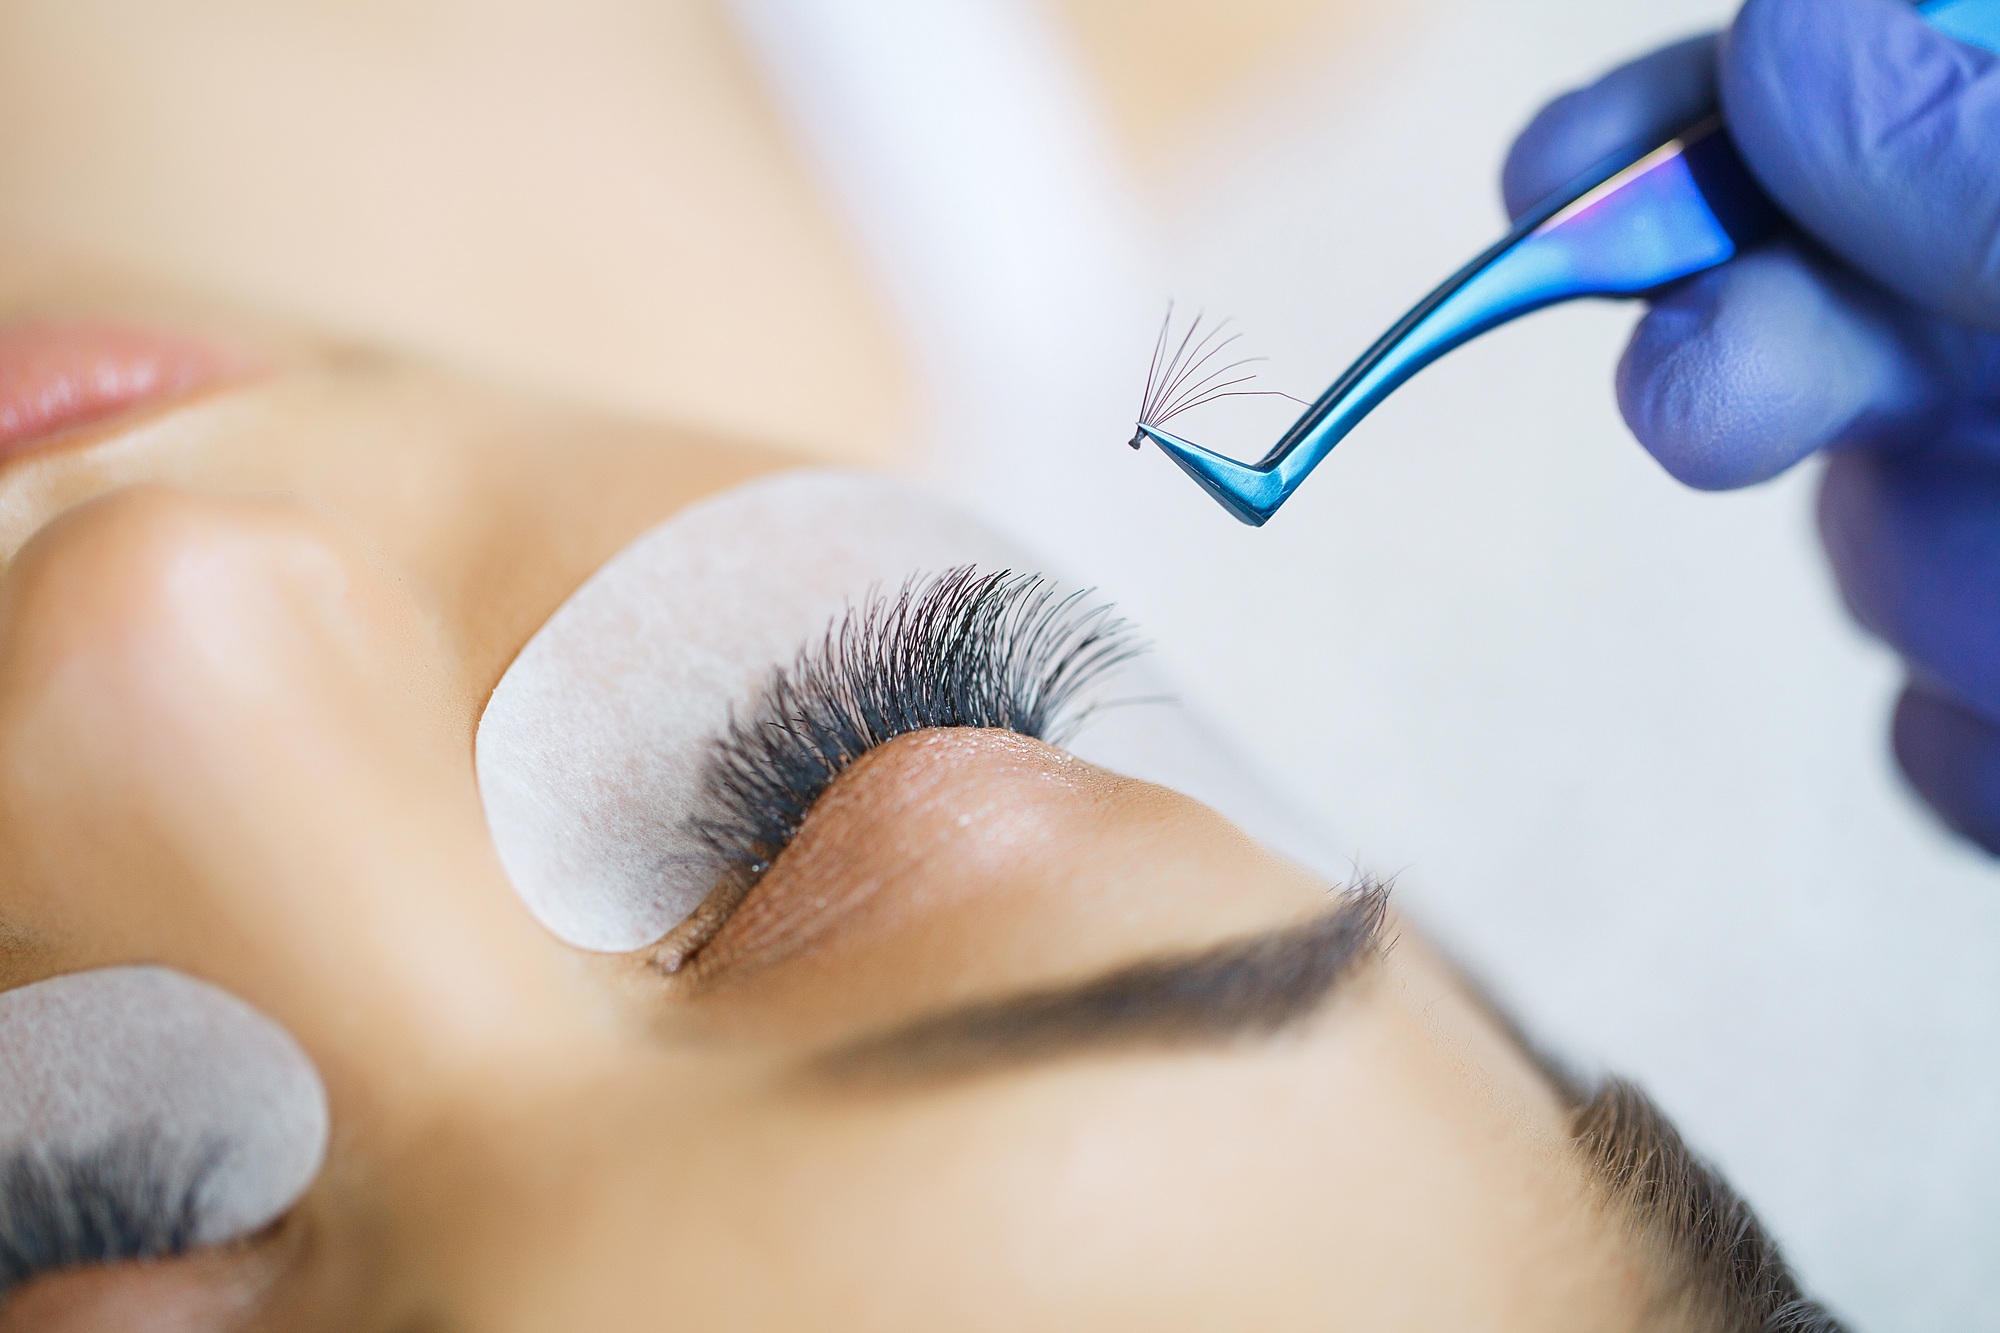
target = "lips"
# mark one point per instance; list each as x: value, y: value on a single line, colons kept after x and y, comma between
x: 55, y: 376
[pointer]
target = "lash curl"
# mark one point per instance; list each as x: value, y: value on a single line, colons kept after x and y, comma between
x: 958, y: 649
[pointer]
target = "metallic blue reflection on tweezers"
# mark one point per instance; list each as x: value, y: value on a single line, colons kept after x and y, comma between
x: 1974, y: 22
x: 1630, y: 225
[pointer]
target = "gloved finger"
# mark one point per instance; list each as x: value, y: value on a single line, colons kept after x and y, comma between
x: 1951, y: 755
x: 1740, y: 372
x: 1636, y: 105
x: 1915, y: 545
x: 1880, y: 135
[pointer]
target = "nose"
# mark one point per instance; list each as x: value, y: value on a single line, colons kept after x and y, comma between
x: 226, y: 745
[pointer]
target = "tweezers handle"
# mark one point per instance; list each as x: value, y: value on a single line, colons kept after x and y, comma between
x: 1630, y: 225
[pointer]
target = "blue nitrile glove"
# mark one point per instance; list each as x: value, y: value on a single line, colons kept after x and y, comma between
x: 1873, y: 335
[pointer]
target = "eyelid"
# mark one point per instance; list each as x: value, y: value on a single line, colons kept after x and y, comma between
x: 231, y: 1289
x: 590, y: 749
x: 993, y: 650
x: 874, y: 844
x: 145, y: 1113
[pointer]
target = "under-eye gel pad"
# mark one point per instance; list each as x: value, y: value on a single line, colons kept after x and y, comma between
x: 130, y: 1067
x: 591, y: 749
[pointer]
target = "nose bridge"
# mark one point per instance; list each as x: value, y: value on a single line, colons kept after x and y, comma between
x: 224, y: 747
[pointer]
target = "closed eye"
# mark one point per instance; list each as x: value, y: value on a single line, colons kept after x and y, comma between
x: 963, y: 648
x: 132, y: 1197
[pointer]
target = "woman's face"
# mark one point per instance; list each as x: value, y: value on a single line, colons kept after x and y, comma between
x: 251, y: 613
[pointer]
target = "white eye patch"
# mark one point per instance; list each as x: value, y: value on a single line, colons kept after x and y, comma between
x: 221, y: 1100
x: 590, y: 751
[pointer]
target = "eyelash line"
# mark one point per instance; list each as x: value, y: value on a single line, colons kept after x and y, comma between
x: 130, y: 1198
x: 961, y: 648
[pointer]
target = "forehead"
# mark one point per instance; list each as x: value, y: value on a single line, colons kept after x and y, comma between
x: 1315, y: 1181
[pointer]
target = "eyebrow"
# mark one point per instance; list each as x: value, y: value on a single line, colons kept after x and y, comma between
x: 1248, y: 988
x: 1717, y: 1265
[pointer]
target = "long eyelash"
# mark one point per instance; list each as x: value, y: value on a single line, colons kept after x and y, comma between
x: 958, y: 649
x: 1189, y: 376
x: 130, y: 1198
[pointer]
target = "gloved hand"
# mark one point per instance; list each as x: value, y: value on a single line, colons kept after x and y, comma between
x: 1873, y: 334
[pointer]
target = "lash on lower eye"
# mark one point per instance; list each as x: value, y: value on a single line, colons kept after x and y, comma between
x: 957, y: 649
x: 131, y: 1198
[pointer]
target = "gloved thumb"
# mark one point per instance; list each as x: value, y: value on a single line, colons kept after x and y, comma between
x: 1881, y: 136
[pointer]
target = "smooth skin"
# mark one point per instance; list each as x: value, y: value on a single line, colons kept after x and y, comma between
x: 244, y: 641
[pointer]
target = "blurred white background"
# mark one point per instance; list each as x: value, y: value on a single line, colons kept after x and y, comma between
x: 1615, y: 739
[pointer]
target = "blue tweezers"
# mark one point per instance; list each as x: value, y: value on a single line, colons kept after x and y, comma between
x: 1630, y: 225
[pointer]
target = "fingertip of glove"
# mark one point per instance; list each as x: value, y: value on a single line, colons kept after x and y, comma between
x: 1700, y: 409
x: 1951, y: 756
x: 1541, y: 153
x: 1874, y: 130
x: 1637, y: 104
x: 1737, y: 374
